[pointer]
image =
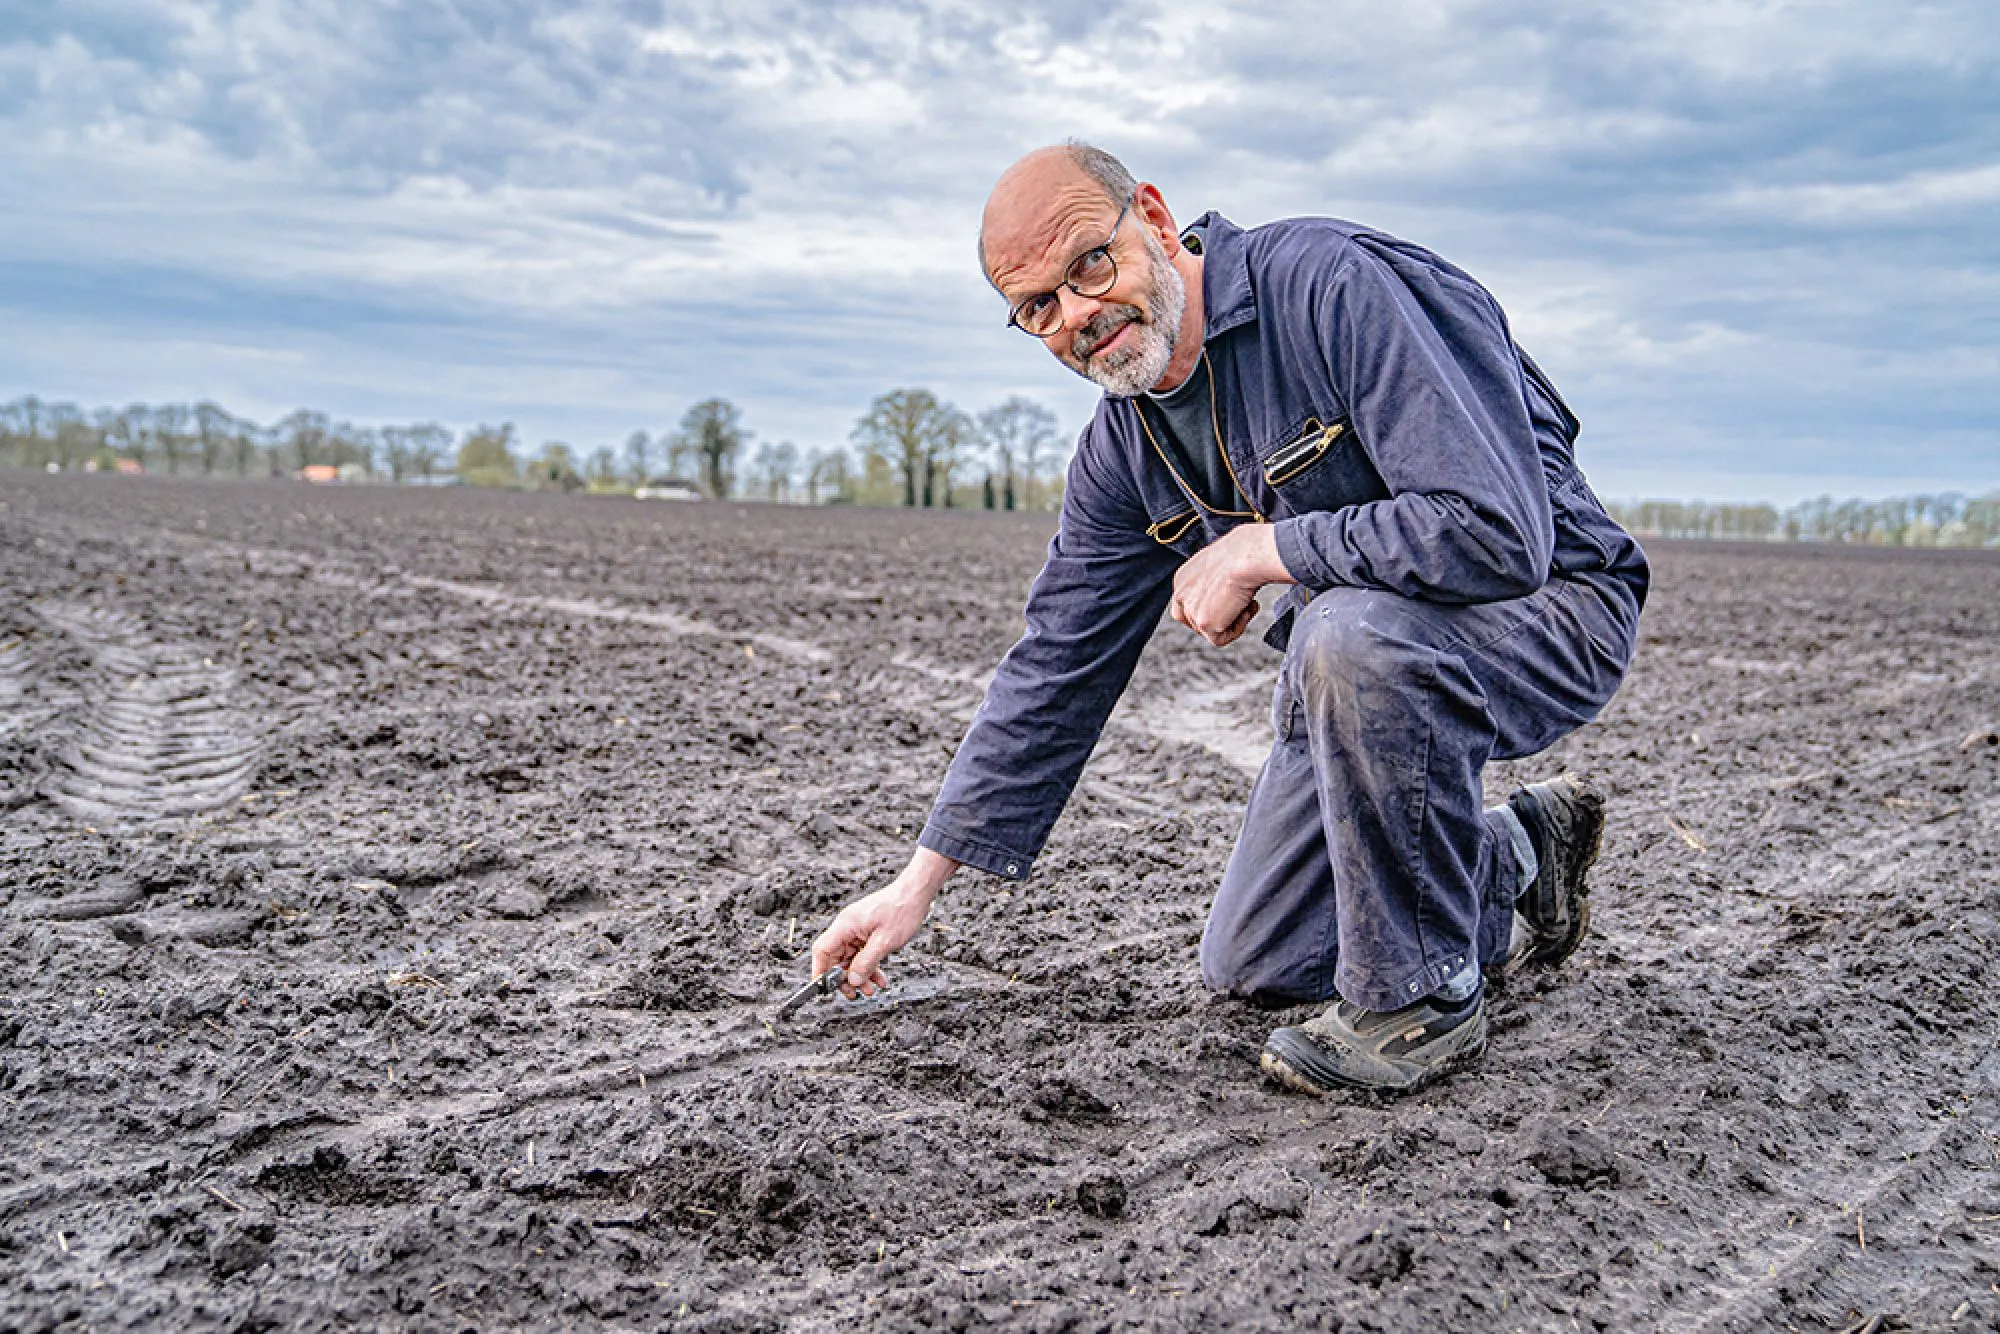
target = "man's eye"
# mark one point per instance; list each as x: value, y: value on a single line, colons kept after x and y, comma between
x: 1038, y: 307
x: 1091, y: 268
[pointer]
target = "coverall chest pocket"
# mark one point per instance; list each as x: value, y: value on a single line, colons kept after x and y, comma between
x: 1320, y: 467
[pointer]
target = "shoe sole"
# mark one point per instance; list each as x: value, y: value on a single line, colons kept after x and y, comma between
x: 1275, y: 1066
x: 1547, y: 952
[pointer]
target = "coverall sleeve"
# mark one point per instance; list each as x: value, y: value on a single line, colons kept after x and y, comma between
x: 1090, y: 613
x: 1433, y: 384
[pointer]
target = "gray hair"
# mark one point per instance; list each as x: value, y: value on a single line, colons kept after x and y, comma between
x: 1120, y: 186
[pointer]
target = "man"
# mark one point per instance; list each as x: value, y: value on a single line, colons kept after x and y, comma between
x: 1320, y: 406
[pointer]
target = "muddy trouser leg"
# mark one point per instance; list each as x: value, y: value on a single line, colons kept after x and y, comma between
x: 1367, y: 866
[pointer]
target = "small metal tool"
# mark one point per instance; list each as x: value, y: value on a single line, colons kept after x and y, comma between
x: 822, y: 985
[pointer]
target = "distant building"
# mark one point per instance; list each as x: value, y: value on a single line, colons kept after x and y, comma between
x: 319, y: 474
x: 130, y: 466
x: 667, y: 488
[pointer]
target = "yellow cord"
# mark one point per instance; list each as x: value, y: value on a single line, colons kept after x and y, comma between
x: 1215, y: 420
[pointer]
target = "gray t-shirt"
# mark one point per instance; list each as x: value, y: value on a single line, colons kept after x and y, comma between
x: 1183, y: 421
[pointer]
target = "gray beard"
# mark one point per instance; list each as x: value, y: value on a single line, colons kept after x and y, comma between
x: 1149, y: 349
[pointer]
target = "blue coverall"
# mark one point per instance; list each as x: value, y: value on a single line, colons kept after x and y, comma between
x: 1462, y: 596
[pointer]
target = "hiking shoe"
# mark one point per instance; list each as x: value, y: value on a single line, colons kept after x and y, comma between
x: 1565, y: 819
x: 1377, y: 1051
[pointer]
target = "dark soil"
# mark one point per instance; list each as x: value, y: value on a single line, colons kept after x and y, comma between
x: 394, y: 888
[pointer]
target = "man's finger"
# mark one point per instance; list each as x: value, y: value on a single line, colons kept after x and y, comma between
x: 867, y: 959
x: 831, y: 948
x: 854, y: 985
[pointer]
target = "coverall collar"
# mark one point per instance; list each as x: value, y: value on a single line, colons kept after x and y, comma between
x: 1228, y: 300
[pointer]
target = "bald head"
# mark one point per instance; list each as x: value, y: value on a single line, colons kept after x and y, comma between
x: 1049, y: 176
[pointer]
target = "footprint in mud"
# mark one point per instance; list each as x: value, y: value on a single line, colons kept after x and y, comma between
x: 157, y: 737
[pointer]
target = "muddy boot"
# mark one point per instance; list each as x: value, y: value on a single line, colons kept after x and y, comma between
x: 1564, y: 818
x: 1372, y: 1051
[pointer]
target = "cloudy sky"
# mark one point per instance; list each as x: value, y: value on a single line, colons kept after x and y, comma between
x: 1756, y: 243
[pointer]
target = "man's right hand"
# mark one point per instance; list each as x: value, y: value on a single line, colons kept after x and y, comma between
x: 872, y: 928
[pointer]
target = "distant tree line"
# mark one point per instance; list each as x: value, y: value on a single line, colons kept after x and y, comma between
x: 1948, y: 520
x: 909, y: 448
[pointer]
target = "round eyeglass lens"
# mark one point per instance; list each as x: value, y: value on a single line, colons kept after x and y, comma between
x: 1093, y: 273
x: 1041, y: 316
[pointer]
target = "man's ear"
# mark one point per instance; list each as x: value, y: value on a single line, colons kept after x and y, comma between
x: 1157, y: 218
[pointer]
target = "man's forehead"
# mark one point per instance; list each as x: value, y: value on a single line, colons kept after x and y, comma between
x: 1033, y: 233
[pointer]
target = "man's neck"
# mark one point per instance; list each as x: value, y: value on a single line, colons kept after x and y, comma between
x: 1187, y: 347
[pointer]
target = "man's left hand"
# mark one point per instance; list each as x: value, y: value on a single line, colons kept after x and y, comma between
x: 1215, y: 593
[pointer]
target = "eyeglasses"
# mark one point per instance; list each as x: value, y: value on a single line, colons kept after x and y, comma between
x: 1093, y: 273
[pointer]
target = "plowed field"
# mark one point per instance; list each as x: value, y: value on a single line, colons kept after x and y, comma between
x: 395, y: 888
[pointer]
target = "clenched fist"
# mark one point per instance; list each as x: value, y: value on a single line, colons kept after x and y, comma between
x: 1215, y: 593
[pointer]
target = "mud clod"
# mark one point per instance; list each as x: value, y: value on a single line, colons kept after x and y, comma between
x: 1375, y: 1251
x: 1570, y: 1156
x: 1067, y: 1100
x: 519, y: 903
x: 241, y: 1248
x: 1101, y: 1195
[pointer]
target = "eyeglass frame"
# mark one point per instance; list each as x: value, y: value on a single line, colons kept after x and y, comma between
x: 1014, y: 316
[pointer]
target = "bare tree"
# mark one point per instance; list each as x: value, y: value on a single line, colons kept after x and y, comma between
x: 713, y: 431
x: 1022, y: 435
x: 639, y: 455
x: 427, y: 443
x: 776, y: 464
x: 910, y: 431
x: 304, y: 435
x: 680, y: 456
x: 395, y: 451
x: 958, y: 437
x: 73, y: 438
x: 353, y: 444
x: 245, y: 439
x: 170, y: 434
x: 128, y: 432
x: 211, y: 433
x: 30, y: 416
x: 827, y: 476
x: 21, y: 428
x: 601, y: 470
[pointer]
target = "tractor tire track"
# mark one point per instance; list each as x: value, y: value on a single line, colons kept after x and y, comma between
x: 159, y: 736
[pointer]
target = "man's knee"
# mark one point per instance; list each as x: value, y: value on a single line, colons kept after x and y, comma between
x: 1354, y: 637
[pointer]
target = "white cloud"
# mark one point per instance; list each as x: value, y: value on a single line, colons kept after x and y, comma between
x: 1918, y: 196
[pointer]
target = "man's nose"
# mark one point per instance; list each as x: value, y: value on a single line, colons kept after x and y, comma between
x: 1076, y: 310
